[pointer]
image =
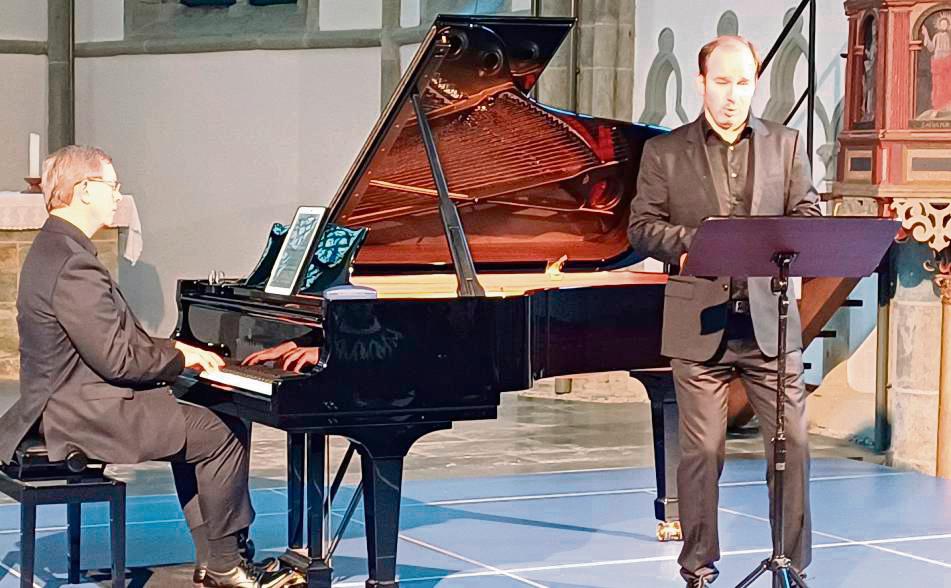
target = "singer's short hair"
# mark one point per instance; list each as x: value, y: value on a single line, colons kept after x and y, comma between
x: 724, y: 40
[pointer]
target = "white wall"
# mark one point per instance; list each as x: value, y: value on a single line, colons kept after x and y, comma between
x: 23, y: 20
x: 99, y: 20
x: 23, y: 99
x: 22, y: 111
x: 759, y: 21
x: 216, y: 147
x: 409, y: 13
x: 350, y: 14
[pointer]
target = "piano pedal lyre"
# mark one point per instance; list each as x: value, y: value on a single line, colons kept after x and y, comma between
x: 669, y: 531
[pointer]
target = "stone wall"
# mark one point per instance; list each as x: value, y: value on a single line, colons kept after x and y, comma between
x: 14, y: 245
x: 604, y: 62
x: 606, y: 59
x: 914, y: 361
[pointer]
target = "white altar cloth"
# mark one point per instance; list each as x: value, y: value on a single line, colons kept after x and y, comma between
x: 20, y: 211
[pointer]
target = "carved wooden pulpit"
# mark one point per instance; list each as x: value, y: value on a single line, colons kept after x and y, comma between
x: 895, y: 147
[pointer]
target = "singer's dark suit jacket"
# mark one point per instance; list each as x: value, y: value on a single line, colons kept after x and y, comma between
x: 675, y: 192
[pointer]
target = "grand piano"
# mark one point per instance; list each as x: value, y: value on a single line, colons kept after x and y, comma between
x: 496, y: 246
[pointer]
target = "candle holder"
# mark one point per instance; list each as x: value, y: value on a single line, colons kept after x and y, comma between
x: 33, y: 186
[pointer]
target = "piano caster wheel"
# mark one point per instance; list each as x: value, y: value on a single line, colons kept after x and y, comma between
x: 669, y: 531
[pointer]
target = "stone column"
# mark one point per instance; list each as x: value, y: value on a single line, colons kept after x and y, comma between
x: 921, y: 338
x: 606, y: 59
x: 554, y: 86
x: 61, y: 130
x: 313, y: 15
x: 914, y: 358
x: 389, y: 51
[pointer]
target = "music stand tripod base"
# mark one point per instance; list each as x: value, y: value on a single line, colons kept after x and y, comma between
x: 784, y: 574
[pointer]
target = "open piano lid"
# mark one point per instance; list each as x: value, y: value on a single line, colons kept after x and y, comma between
x: 531, y: 183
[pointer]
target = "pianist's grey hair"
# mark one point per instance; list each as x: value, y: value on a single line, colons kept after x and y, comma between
x: 65, y: 168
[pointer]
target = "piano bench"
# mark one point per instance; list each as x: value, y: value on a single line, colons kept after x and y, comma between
x: 32, y: 479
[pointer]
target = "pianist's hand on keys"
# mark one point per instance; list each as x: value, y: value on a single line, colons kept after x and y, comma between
x: 255, y: 378
x: 199, y: 359
x: 287, y: 356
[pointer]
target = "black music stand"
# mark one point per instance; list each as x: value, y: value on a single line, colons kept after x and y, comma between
x: 781, y: 247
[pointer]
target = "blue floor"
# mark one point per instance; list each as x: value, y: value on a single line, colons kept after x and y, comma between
x: 873, y: 526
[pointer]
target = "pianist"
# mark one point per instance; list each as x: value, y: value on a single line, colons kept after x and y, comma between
x: 92, y: 379
x: 725, y: 162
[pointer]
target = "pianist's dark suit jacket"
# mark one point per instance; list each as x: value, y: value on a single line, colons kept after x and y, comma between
x: 675, y: 192
x: 86, y: 364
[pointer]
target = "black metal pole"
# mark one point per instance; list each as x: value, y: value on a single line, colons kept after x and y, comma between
x: 341, y: 472
x: 347, y: 517
x: 573, y: 57
x: 779, y: 441
x: 795, y: 109
x: 885, y: 278
x: 782, y: 36
x: 536, y: 11
x: 811, y: 107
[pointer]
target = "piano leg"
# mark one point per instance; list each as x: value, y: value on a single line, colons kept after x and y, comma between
x: 381, y: 463
x: 664, y: 420
x: 318, y: 572
x: 295, y: 490
x: 382, y: 488
x: 306, y: 454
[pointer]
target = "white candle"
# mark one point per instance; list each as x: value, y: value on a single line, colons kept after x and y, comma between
x: 34, y: 155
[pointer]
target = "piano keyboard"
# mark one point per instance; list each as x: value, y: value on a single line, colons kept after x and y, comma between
x: 254, y: 378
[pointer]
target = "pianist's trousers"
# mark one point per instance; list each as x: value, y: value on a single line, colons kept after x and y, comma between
x: 211, y: 472
x: 702, y: 402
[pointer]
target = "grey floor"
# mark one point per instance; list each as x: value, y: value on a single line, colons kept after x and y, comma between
x: 531, y: 435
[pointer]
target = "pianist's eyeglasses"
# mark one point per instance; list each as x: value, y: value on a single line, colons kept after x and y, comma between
x: 115, y: 185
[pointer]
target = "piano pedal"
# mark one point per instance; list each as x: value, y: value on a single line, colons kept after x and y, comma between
x: 296, y: 579
x: 669, y: 531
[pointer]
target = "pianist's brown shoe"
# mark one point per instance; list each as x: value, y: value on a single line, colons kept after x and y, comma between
x: 270, y: 564
x: 246, y: 550
x: 247, y: 575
